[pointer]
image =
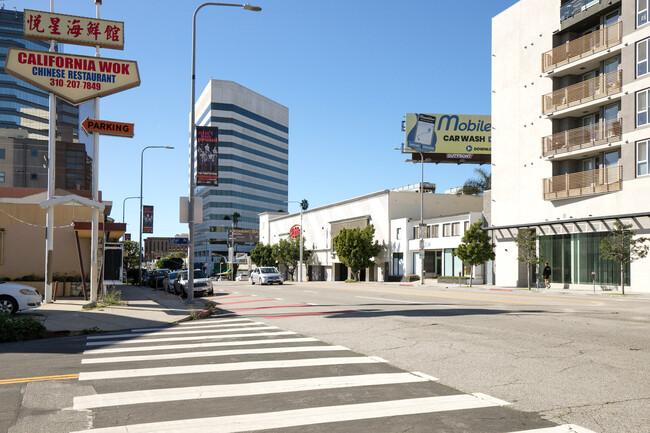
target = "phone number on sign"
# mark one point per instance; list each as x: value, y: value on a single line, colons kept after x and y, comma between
x: 74, y: 84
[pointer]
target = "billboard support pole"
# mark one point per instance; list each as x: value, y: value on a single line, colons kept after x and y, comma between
x: 94, y: 241
x: 421, y: 217
x: 51, y: 161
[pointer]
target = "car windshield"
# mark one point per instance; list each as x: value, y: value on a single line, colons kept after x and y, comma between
x: 197, y: 274
x: 269, y: 271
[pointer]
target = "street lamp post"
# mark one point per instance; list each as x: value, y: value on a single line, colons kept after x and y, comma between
x: 140, y: 236
x: 190, y: 213
x: 124, y: 204
x: 302, y: 207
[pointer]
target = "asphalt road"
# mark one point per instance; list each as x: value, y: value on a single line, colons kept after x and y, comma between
x: 575, y: 358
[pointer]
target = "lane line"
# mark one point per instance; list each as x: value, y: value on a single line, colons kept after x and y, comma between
x: 232, y: 366
x: 186, y: 331
x: 196, y: 337
x: 187, y: 355
x: 310, y: 416
x: 309, y: 291
x: 240, y: 389
x: 387, y: 299
x: 271, y: 306
x: 206, y: 325
x: 39, y: 378
x: 318, y: 313
x: 199, y: 345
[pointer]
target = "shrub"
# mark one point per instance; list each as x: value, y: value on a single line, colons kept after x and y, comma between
x: 30, y: 277
x: 20, y: 328
x: 350, y: 280
x: 411, y: 277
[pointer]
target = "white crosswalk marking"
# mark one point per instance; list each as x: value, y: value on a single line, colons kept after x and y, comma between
x: 200, y: 326
x: 240, y: 389
x: 198, y: 337
x: 212, y: 321
x: 198, y: 345
x: 302, y: 417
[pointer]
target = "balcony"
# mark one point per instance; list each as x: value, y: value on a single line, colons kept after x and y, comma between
x: 582, y: 92
x: 582, y: 138
x: 583, y: 183
x: 582, y: 47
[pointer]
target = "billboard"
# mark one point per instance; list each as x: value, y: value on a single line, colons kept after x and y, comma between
x: 147, y: 219
x: 207, y: 155
x: 449, y: 137
x: 71, y: 29
x: 74, y: 78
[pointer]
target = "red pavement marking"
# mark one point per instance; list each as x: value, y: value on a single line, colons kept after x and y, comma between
x: 502, y: 290
x: 272, y: 306
x: 243, y: 302
x: 311, y: 314
x: 228, y: 297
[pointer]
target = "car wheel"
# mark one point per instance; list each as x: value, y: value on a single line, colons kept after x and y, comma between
x: 280, y: 283
x: 183, y: 293
x: 8, y: 305
x: 252, y: 281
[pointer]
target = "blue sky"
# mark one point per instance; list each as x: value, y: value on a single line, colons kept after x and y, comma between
x: 348, y: 72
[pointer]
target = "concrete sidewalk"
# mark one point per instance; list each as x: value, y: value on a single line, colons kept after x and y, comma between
x: 142, y: 307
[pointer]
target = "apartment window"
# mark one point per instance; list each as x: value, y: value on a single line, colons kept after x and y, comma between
x: 446, y: 230
x: 642, y: 57
x: 34, y: 176
x: 642, y: 157
x: 434, y: 231
x: 2, y: 154
x: 2, y: 176
x: 455, y: 229
x: 398, y: 233
x: 465, y: 226
x: 641, y: 12
x: 642, y: 107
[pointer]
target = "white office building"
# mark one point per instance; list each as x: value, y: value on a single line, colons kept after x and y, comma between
x: 395, y: 215
x: 253, y: 164
x: 571, y: 132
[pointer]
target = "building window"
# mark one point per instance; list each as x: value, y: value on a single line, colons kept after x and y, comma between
x: 398, y: 263
x: 2, y: 154
x: 2, y: 176
x: 397, y: 234
x: 34, y: 153
x: 642, y: 156
x: 641, y: 12
x: 465, y: 226
x: 446, y: 230
x: 434, y: 231
x: 34, y: 176
x: 455, y: 229
x: 642, y: 57
x: 642, y: 107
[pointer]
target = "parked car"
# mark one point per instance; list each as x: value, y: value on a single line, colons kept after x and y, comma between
x: 157, y: 276
x: 266, y: 275
x: 168, y: 281
x: 202, y: 285
x: 241, y: 277
x: 16, y: 297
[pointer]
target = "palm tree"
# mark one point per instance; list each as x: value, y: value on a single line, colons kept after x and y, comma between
x: 235, y: 218
x: 477, y: 186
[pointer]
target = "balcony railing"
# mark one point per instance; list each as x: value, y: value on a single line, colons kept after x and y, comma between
x: 584, y: 46
x: 571, y: 8
x: 584, y: 91
x: 582, y: 138
x: 584, y: 183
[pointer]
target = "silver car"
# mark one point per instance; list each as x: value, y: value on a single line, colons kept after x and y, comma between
x: 266, y: 275
x: 18, y: 297
x: 202, y: 285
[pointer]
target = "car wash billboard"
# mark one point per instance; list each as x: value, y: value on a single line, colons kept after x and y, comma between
x: 458, y: 138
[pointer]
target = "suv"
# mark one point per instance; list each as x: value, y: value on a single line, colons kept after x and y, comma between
x: 156, y: 278
x: 202, y: 285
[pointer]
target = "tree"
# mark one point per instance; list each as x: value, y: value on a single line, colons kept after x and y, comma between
x: 475, y: 247
x: 235, y: 218
x: 622, y: 247
x: 262, y: 255
x: 477, y: 186
x: 287, y: 253
x: 131, y: 255
x: 356, y: 249
x: 526, y: 241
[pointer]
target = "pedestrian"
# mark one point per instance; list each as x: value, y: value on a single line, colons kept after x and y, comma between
x: 546, y: 273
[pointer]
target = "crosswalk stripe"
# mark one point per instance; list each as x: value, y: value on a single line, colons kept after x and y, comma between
x: 201, y: 326
x: 241, y: 389
x: 203, y: 322
x: 186, y: 355
x: 566, y: 428
x: 303, y: 417
x: 193, y: 331
x: 198, y: 345
x: 196, y: 337
x: 233, y: 366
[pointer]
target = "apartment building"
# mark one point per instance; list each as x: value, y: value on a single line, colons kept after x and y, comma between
x: 571, y: 129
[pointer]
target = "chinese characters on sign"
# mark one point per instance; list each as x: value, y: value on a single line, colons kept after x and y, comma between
x: 207, y: 155
x: 147, y: 219
x: 73, y: 29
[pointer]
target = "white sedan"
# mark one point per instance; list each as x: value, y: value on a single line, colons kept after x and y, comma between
x: 266, y: 275
x: 16, y: 297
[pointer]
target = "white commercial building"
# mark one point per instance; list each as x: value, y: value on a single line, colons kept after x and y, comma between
x: 395, y: 215
x: 571, y: 127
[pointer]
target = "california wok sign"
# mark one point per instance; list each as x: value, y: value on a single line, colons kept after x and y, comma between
x: 74, y: 78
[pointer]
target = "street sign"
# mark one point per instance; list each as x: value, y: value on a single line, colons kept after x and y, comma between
x: 71, y: 29
x: 105, y: 127
x: 74, y: 78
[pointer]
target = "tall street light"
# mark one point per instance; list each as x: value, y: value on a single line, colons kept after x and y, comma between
x: 124, y: 204
x: 304, y: 204
x: 190, y: 212
x: 140, y: 236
